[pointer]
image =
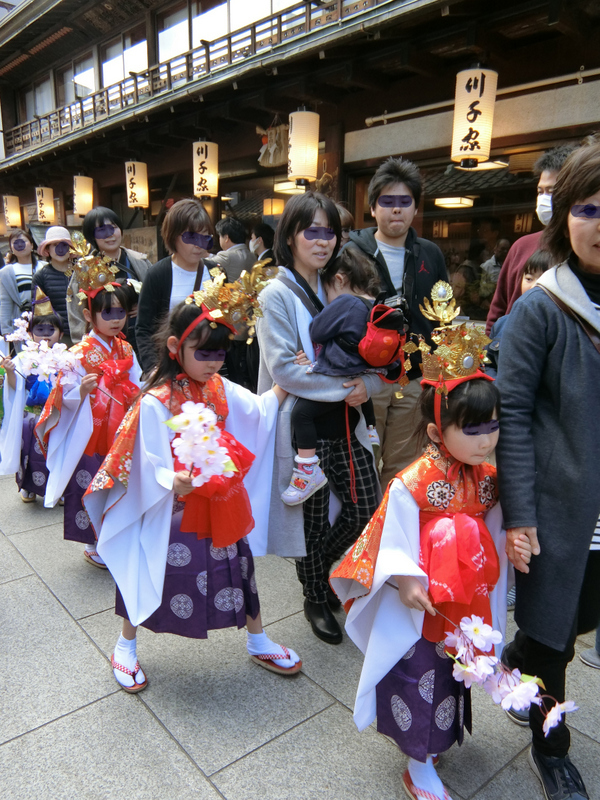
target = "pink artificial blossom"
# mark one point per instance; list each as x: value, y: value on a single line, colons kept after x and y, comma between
x: 483, y: 636
x: 554, y: 716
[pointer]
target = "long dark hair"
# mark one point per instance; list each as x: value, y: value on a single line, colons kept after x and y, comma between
x: 203, y: 336
x: 298, y: 215
x: 103, y: 301
x: 470, y: 403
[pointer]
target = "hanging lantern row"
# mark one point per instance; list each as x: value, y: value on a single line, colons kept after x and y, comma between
x: 474, y: 101
x: 12, y: 211
x: 136, y: 184
x: 206, y: 169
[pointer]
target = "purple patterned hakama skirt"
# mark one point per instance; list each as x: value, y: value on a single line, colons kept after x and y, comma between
x: 33, y: 473
x: 420, y: 705
x: 206, y: 588
x: 77, y: 526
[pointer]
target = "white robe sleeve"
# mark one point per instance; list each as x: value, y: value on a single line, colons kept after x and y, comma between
x: 67, y: 442
x: 12, y: 425
x: 133, y: 525
x: 252, y: 419
x: 380, y: 625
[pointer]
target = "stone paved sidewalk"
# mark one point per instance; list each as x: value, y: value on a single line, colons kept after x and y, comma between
x: 211, y: 724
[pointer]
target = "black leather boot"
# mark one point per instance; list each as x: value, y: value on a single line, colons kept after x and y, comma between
x: 323, y: 623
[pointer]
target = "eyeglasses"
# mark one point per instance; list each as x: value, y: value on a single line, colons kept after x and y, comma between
x: 43, y: 329
x: 472, y: 429
x: 113, y: 313
x: 586, y: 211
x: 203, y: 240
x: 104, y: 231
x: 19, y: 245
x: 394, y: 200
x: 61, y: 248
x: 210, y: 355
x: 315, y: 232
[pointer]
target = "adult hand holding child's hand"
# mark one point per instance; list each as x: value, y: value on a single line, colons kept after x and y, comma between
x: 521, y: 544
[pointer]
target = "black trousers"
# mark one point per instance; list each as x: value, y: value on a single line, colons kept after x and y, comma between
x: 306, y: 412
x: 534, y: 658
x: 325, y: 543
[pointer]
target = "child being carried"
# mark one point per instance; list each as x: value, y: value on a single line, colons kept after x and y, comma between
x: 351, y: 285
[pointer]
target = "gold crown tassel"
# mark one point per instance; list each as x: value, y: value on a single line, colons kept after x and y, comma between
x: 235, y: 303
x: 460, y: 350
x: 92, y: 271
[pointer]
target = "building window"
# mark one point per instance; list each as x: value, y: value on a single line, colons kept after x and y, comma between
x: 208, y: 25
x: 35, y: 100
x: 75, y: 80
x: 173, y: 32
x: 124, y: 54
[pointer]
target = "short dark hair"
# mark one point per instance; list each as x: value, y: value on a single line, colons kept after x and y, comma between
x: 346, y: 217
x: 175, y: 324
x: 553, y: 160
x: 15, y: 235
x: 537, y: 262
x: 359, y: 269
x: 53, y: 319
x: 103, y: 300
x: 265, y: 232
x: 184, y: 215
x: 298, y: 215
x: 396, y: 170
x: 232, y: 227
x: 578, y: 179
x: 471, y: 402
x: 95, y: 219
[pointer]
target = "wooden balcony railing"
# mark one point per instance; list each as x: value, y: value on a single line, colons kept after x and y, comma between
x: 289, y: 25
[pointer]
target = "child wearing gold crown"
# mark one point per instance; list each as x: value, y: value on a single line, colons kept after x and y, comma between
x: 24, y: 394
x: 176, y: 544
x: 80, y: 419
x: 432, y: 554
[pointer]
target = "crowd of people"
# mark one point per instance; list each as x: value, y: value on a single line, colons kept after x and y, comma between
x: 358, y: 424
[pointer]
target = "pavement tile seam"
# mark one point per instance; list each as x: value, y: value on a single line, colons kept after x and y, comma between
x: 37, y: 529
x: 56, y: 719
x: 275, y: 738
x: 502, y: 767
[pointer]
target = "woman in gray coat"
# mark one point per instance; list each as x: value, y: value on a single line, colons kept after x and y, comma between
x: 306, y: 240
x: 549, y: 379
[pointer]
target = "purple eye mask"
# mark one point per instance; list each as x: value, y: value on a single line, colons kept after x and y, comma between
x: 43, y: 329
x: 394, y: 200
x: 586, y: 211
x: 19, y: 245
x: 104, y: 231
x: 315, y: 232
x: 203, y: 240
x: 113, y: 313
x: 209, y: 355
x: 61, y: 248
x: 482, y: 428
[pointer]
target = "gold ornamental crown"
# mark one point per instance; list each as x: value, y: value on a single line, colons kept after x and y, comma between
x: 235, y: 303
x: 460, y: 349
x: 93, y: 271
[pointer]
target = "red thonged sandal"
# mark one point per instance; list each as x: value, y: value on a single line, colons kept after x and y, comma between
x: 419, y: 794
x: 137, y: 687
x: 266, y: 660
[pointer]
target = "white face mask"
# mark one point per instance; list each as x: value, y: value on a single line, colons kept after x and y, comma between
x: 543, y: 208
x: 253, y: 245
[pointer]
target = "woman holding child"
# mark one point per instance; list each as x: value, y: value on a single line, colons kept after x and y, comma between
x: 306, y: 241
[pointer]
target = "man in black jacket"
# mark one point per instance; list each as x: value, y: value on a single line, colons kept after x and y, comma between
x: 408, y: 266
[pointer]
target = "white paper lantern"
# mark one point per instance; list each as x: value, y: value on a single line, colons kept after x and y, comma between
x: 44, y: 197
x: 83, y: 195
x: 12, y: 211
x: 473, y: 115
x: 136, y: 184
x: 206, y: 169
x: 303, y: 145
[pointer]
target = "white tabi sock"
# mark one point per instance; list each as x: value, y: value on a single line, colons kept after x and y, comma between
x: 91, y: 548
x: 259, y: 644
x: 126, y: 655
x: 425, y: 777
